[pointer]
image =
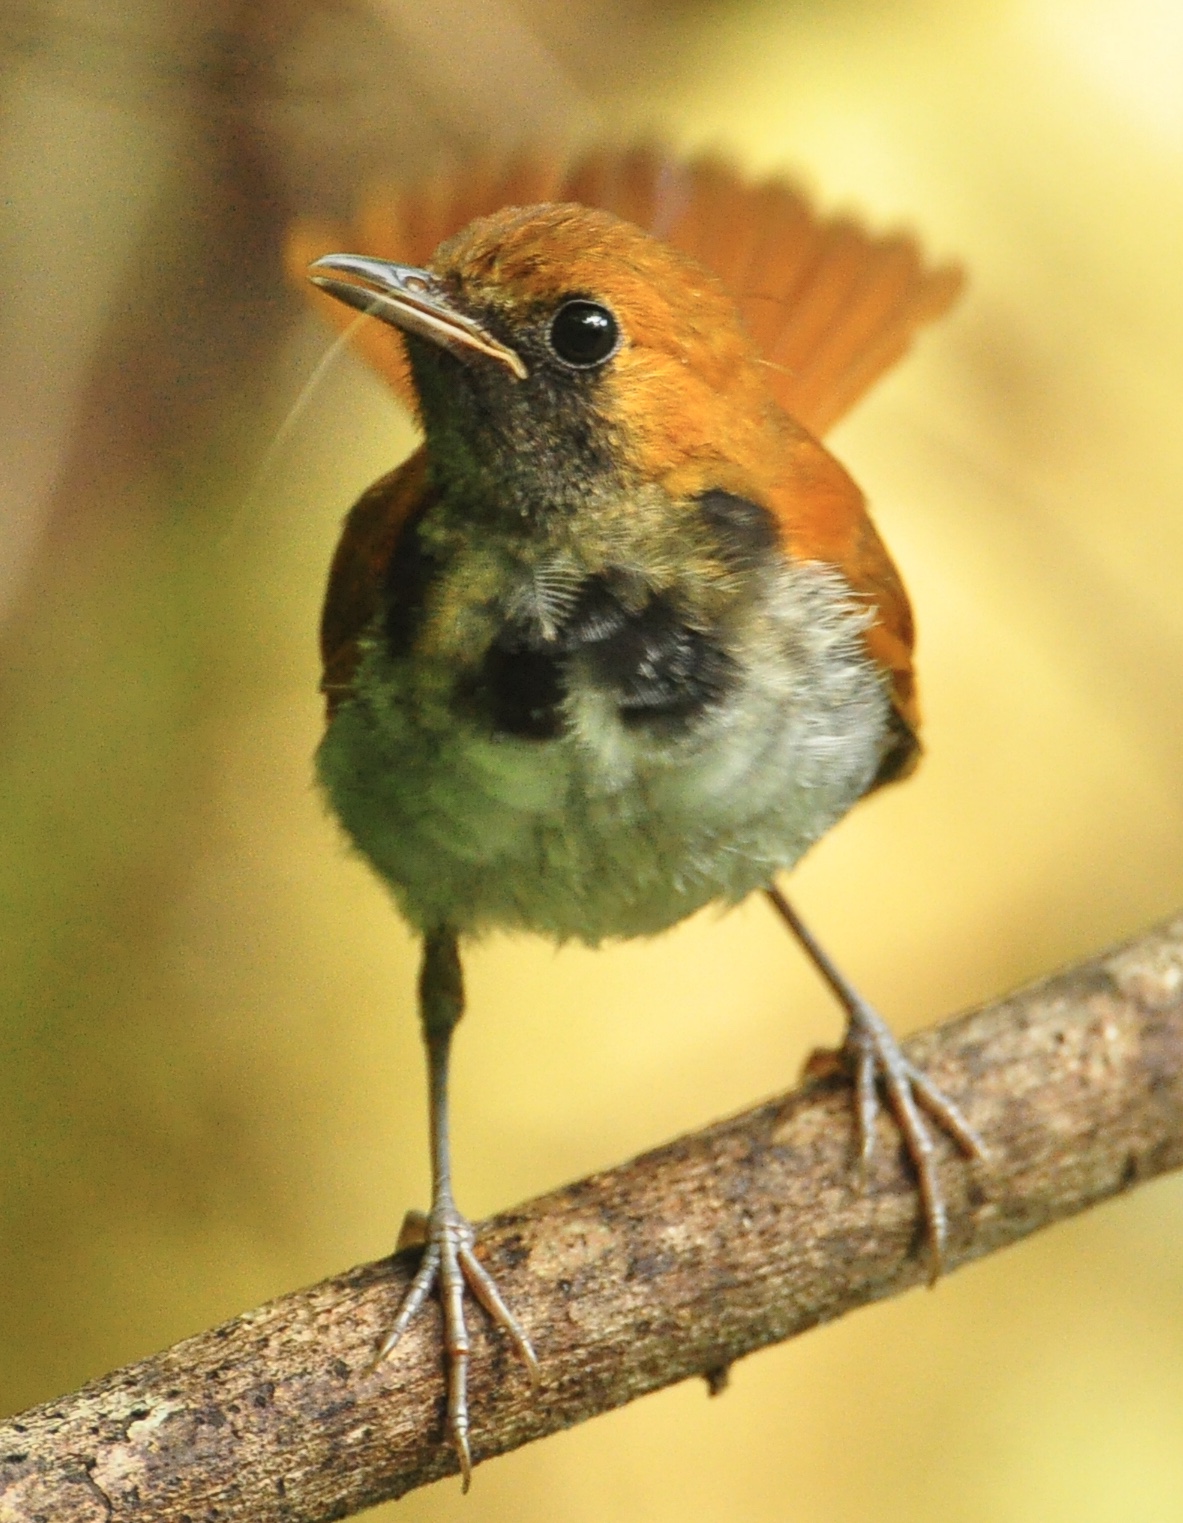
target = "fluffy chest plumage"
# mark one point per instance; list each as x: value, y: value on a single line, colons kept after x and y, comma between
x: 596, y: 739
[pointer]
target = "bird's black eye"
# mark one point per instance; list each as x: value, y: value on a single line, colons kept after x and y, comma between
x: 583, y: 334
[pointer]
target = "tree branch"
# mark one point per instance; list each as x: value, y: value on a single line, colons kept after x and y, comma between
x: 673, y: 1265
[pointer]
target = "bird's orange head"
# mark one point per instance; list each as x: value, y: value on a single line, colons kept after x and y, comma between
x: 559, y: 347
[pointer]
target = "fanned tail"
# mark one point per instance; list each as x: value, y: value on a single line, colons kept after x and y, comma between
x: 830, y: 304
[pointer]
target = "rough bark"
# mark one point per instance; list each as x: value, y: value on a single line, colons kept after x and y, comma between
x: 673, y: 1265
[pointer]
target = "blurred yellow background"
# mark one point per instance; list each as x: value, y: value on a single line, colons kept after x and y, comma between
x: 211, y: 1088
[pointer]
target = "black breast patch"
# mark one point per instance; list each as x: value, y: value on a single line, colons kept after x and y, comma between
x: 520, y: 684
x: 646, y: 659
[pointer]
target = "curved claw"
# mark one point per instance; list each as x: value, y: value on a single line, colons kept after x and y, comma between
x: 417, y: 1293
x: 484, y: 1287
x: 450, y: 1265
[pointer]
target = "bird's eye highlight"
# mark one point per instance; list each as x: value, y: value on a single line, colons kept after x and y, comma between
x: 584, y: 334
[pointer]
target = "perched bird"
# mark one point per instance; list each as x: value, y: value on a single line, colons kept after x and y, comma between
x: 620, y: 639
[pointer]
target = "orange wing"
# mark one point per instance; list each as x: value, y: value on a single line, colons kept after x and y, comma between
x: 823, y: 517
x: 368, y: 537
x: 830, y: 305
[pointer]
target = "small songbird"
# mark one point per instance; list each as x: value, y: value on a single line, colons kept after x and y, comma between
x: 620, y: 639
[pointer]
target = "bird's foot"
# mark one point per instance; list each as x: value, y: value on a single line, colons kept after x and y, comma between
x: 450, y: 1264
x: 876, y: 1058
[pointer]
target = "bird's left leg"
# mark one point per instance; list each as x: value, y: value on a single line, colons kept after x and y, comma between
x: 877, y: 1058
x: 447, y: 1237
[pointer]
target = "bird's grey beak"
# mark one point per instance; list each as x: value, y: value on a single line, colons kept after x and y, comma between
x: 412, y: 300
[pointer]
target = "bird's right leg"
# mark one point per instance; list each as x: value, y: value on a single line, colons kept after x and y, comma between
x: 877, y: 1058
x: 449, y: 1262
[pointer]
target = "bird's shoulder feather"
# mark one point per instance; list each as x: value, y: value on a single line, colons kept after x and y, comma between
x: 822, y: 517
x: 353, y: 598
